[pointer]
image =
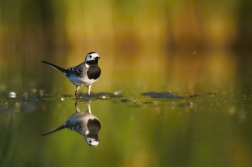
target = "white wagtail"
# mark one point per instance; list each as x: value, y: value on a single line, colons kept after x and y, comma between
x: 84, y: 74
x: 85, y: 123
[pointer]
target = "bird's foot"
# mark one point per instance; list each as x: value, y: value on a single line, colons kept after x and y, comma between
x: 76, y: 104
x: 76, y: 94
x: 76, y: 107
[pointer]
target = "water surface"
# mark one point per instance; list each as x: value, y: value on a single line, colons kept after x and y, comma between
x: 209, y: 126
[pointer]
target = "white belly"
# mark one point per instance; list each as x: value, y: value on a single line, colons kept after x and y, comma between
x: 85, y: 81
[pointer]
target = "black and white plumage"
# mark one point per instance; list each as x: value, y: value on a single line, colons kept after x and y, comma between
x: 84, y: 123
x: 84, y: 74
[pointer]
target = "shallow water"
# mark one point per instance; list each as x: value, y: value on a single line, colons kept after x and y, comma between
x: 191, y: 114
x: 210, y: 128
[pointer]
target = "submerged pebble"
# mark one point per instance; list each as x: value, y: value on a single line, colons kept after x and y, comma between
x: 12, y: 95
x: 117, y: 93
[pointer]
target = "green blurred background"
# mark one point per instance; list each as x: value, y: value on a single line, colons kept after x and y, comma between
x: 182, y: 40
x: 190, y: 47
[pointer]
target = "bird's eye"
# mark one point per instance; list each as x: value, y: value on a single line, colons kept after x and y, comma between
x: 90, y: 56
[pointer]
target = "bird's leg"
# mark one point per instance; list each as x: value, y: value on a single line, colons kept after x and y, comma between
x: 89, y: 108
x: 76, y: 91
x: 89, y: 89
x: 76, y: 106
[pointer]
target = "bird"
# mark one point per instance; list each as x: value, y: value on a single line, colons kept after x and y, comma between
x: 84, y: 123
x: 84, y: 74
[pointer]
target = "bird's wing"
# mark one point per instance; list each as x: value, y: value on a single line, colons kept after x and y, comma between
x: 77, y: 126
x: 77, y: 70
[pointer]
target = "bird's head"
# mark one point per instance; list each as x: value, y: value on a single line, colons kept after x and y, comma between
x: 92, y: 57
x: 92, y: 141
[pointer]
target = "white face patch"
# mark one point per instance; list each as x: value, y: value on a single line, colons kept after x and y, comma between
x: 92, y: 142
x: 91, y: 56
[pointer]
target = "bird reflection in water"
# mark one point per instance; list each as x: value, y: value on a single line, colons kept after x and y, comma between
x: 85, y: 123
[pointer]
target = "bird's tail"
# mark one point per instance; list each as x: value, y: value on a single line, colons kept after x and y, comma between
x: 54, y: 66
x: 55, y: 130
